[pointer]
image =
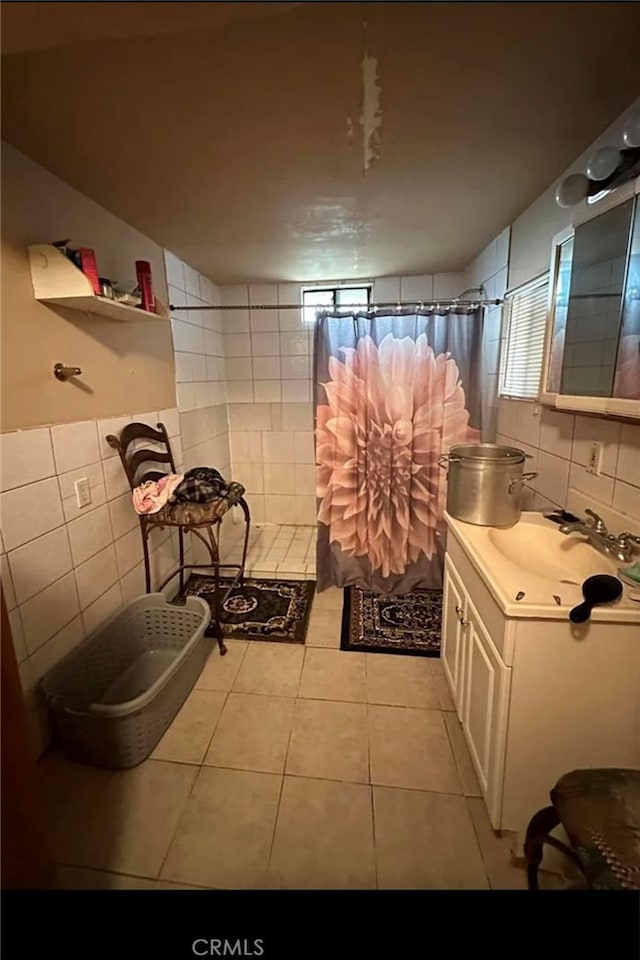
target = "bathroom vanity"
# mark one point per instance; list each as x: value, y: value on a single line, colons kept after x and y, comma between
x: 536, y: 695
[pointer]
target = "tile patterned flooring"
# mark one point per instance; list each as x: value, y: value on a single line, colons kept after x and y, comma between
x: 275, y: 550
x: 288, y: 767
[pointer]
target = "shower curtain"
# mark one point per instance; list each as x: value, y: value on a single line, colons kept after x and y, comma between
x: 393, y: 392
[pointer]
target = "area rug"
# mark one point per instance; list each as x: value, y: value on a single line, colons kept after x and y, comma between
x: 410, y: 623
x: 276, y: 610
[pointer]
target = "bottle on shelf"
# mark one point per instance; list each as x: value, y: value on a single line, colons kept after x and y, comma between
x: 143, y: 273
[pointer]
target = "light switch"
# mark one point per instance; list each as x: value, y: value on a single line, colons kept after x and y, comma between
x: 83, y: 492
x: 595, y: 458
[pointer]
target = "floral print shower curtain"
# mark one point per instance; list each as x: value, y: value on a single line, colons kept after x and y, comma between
x: 393, y: 393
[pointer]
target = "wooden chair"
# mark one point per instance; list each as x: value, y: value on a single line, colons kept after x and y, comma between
x: 140, y: 445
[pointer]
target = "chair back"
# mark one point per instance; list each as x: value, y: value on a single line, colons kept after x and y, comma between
x: 140, y: 445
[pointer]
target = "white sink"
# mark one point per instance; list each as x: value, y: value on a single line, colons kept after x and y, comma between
x: 546, y: 552
x: 534, y: 571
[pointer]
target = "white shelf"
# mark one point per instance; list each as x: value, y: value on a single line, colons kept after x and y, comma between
x: 57, y: 281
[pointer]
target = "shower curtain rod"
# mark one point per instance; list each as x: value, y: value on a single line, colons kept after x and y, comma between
x: 421, y: 304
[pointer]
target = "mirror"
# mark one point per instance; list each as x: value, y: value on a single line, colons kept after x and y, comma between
x: 594, y: 347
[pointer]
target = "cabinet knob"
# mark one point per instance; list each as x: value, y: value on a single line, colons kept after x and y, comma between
x: 461, y: 620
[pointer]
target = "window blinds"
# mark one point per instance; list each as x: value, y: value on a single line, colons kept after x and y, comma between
x: 523, y: 348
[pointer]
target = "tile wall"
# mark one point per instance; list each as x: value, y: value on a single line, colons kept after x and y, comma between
x: 559, y: 445
x: 269, y: 370
x: 201, y: 392
x: 66, y: 569
x: 197, y: 339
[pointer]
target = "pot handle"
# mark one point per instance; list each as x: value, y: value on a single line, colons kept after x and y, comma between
x: 447, y: 458
x: 522, y: 479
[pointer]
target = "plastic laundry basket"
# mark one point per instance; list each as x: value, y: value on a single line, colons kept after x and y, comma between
x: 114, y: 696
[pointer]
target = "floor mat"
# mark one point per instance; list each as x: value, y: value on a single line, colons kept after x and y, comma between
x: 410, y: 623
x: 276, y: 610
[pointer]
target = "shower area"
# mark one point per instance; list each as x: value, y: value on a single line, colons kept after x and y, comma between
x: 338, y: 417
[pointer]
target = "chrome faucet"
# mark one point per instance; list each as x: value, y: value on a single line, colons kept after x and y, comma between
x: 623, y: 547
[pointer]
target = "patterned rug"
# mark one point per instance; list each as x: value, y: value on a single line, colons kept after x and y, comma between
x: 276, y: 610
x: 410, y: 623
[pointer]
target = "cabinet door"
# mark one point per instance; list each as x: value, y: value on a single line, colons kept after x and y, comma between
x: 487, y: 682
x: 453, y: 615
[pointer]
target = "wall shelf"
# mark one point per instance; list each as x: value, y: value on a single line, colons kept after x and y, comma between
x: 57, y: 281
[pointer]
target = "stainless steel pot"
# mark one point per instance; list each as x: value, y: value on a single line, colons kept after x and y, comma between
x: 485, y: 483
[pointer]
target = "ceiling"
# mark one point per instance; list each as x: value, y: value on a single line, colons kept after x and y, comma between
x: 299, y: 141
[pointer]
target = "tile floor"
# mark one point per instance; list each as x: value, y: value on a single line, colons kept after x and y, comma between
x: 288, y: 767
x: 274, y: 550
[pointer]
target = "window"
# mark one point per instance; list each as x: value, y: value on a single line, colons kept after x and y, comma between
x: 343, y: 299
x: 523, y: 345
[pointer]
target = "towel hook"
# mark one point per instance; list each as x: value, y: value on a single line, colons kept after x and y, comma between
x: 63, y: 373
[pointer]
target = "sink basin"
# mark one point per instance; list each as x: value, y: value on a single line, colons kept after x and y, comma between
x: 532, y: 570
x: 546, y: 552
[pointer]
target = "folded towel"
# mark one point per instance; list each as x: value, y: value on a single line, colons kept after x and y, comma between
x: 151, y: 496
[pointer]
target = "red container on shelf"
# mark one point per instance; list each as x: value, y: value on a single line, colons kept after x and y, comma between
x: 89, y: 266
x: 143, y: 273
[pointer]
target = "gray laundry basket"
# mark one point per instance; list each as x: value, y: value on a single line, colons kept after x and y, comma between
x: 114, y: 696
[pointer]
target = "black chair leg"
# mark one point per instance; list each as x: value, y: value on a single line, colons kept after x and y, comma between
x: 215, y: 556
x: 538, y: 830
x: 145, y: 549
x: 247, y: 528
x: 181, y: 554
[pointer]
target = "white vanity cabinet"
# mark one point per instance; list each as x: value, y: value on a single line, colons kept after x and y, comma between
x: 536, y: 696
x: 485, y: 700
x: 479, y: 683
x: 454, y: 607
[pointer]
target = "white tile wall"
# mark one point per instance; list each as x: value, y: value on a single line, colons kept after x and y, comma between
x: 296, y: 367
x: 267, y: 391
x: 39, y: 563
x: 606, y: 432
x: 561, y: 443
x: 48, y: 612
x: 386, y: 289
x: 94, y: 474
x: 296, y: 391
x: 417, y: 288
x: 75, y: 444
x: 277, y: 447
x: 60, y: 572
x: 197, y: 337
x: 89, y: 534
x: 270, y: 393
x: 219, y: 368
x: 66, y: 569
x: 272, y: 402
x: 115, y: 479
x: 25, y: 456
x: 303, y: 449
x: 628, y: 465
x: 30, y: 511
x: 128, y: 552
x: 43, y: 659
x: 626, y: 498
x: 279, y: 479
x: 103, y: 608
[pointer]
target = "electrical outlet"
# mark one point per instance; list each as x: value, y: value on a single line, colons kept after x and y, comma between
x: 595, y: 458
x: 83, y: 492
